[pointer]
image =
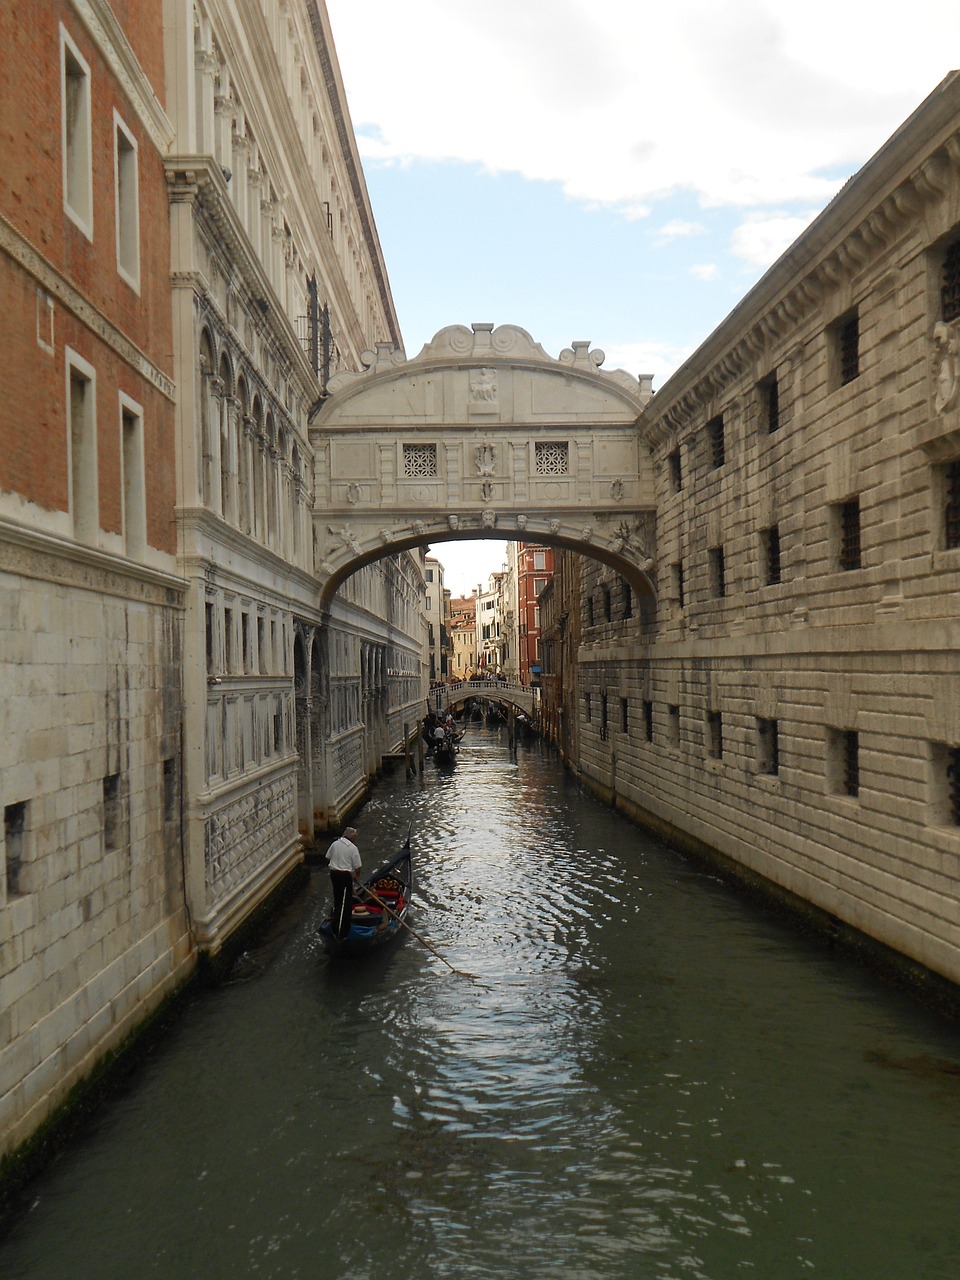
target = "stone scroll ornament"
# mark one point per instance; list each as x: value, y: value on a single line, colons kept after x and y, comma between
x: 946, y: 363
x: 486, y: 460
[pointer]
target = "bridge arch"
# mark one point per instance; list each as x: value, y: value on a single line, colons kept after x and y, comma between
x: 483, y: 435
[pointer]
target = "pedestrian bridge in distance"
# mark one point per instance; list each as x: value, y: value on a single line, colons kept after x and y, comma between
x: 446, y: 697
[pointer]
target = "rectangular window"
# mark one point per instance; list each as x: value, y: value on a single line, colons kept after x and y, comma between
x: 844, y: 355
x: 419, y: 460
x: 429, y: 575
x: 127, y: 203
x: 14, y: 828
x: 624, y: 715
x: 770, y: 551
x: 228, y: 644
x: 677, y: 573
x: 134, y: 479
x: 848, y: 534
x: 538, y: 585
x: 607, y: 611
x: 950, y: 283
x: 209, y: 637
x: 945, y: 762
x: 76, y: 135
x: 627, y: 598
x: 112, y: 814
x: 676, y: 471
x: 551, y: 458
x: 843, y: 761
x: 539, y: 560
x: 718, y: 575
x: 603, y: 717
x: 261, y: 645
x: 714, y: 735
x: 245, y: 655
x: 673, y: 725
x: 169, y: 789
x: 82, y: 444
x: 768, y: 746
x: 586, y: 707
x: 951, y: 505
x: 769, y: 393
x: 716, y: 447
x: 648, y: 720
x: 590, y: 618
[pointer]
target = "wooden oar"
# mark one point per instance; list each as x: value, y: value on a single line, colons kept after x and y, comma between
x: 419, y: 937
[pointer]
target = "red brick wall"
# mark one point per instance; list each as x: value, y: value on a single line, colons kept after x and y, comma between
x: 32, y: 410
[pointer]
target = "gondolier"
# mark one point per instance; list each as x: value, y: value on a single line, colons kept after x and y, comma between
x: 343, y: 859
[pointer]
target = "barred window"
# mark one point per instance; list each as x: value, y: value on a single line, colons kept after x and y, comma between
x: 603, y: 717
x: 715, y: 441
x: 950, y: 283
x: 945, y: 759
x: 953, y: 785
x: 648, y: 720
x: 846, y: 339
x: 770, y: 539
x: 419, y: 460
x: 624, y: 715
x: 718, y: 573
x: 551, y: 458
x: 951, y: 510
x: 769, y: 402
x: 676, y: 471
x: 849, y: 531
x: 678, y: 582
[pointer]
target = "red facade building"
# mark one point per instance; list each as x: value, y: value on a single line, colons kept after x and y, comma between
x: 534, y: 571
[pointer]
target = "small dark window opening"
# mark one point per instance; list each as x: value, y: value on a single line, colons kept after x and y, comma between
x: 951, y: 510
x: 603, y: 717
x: 589, y: 611
x: 769, y: 742
x: 850, y: 534
x: 676, y: 471
x: 718, y: 576
x: 169, y: 789
x: 624, y: 715
x: 648, y: 720
x: 208, y: 618
x: 606, y: 604
x: 950, y: 283
x: 111, y: 811
x: 715, y: 735
x: 850, y: 760
x: 953, y: 785
x: 771, y: 551
x: 678, y: 581
x: 586, y: 707
x: 770, y: 400
x: 627, y: 599
x: 673, y: 719
x: 848, y: 337
x: 716, y: 441
x: 14, y: 826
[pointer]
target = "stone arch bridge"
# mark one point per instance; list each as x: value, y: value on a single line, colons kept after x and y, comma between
x: 448, y: 697
x: 483, y: 435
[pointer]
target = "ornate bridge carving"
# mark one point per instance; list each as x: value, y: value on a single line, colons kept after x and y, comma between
x: 483, y: 435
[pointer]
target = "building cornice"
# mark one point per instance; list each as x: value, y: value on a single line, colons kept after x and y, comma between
x: 868, y: 214
x: 27, y: 256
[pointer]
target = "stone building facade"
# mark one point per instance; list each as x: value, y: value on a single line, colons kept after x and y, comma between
x: 279, y: 282
x: 795, y: 704
x: 93, y: 928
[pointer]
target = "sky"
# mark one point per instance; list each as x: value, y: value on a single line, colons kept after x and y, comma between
x: 619, y: 172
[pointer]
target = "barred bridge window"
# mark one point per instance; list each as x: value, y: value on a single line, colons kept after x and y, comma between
x: 953, y: 785
x: 950, y: 283
x: 851, y: 762
x: 850, y: 534
x: 420, y: 460
x: 716, y: 443
x: 849, y: 338
x: 551, y: 459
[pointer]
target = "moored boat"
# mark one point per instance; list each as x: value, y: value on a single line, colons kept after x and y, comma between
x: 380, y: 909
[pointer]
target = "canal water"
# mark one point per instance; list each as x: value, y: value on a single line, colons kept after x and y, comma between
x: 634, y: 1073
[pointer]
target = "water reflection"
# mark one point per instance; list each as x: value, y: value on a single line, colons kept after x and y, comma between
x: 642, y: 1076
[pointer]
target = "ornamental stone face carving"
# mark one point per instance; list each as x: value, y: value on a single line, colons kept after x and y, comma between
x: 946, y: 370
x: 488, y: 519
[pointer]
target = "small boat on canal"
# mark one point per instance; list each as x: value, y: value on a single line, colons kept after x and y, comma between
x: 380, y: 909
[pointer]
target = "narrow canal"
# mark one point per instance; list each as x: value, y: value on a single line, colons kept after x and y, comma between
x: 644, y: 1076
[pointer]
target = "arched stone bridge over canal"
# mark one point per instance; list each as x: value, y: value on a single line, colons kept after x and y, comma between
x: 522, y: 697
x: 483, y: 435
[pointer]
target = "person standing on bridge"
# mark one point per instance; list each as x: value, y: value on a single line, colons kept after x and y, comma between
x: 343, y: 859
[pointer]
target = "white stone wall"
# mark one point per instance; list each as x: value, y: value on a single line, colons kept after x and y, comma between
x: 94, y: 929
x: 847, y: 660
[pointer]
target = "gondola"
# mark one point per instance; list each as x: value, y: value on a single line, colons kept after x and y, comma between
x: 370, y: 925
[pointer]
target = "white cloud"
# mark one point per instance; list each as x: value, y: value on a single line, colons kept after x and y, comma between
x: 745, y: 104
x: 761, y: 238
x: 705, y: 270
x: 640, y: 357
x: 676, y: 229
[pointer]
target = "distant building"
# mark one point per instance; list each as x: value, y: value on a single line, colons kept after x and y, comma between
x: 533, y: 568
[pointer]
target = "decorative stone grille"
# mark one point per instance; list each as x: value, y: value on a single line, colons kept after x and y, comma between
x: 419, y: 460
x: 551, y: 459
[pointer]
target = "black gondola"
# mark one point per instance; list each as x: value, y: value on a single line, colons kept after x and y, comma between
x: 370, y: 925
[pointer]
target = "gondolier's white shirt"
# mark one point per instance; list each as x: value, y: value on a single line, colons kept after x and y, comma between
x: 343, y: 855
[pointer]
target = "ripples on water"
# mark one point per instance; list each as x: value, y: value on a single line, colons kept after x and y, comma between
x: 634, y: 1074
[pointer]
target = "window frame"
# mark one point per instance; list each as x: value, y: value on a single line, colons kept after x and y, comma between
x: 76, y: 136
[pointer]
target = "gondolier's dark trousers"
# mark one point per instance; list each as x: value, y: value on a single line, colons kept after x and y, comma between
x: 342, y: 883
